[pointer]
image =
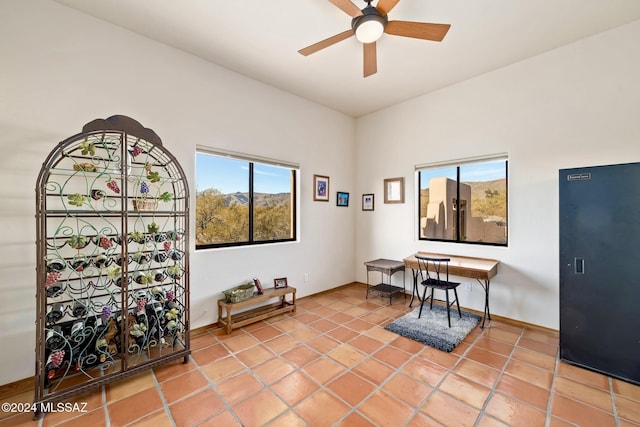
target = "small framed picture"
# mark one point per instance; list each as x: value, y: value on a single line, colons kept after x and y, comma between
x: 320, y: 188
x: 280, y: 283
x: 342, y: 199
x: 394, y: 190
x: 367, y: 202
x: 256, y: 281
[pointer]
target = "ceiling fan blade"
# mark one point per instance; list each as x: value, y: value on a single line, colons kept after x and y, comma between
x: 326, y: 43
x: 385, y: 6
x: 417, y: 30
x: 370, y: 59
x: 347, y: 7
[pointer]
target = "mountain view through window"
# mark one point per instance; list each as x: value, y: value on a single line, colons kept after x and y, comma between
x: 241, y: 202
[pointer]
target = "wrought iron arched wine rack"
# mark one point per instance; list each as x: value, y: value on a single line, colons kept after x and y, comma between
x: 112, y: 209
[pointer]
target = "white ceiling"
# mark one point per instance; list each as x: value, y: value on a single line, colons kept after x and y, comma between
x: 260, y: 39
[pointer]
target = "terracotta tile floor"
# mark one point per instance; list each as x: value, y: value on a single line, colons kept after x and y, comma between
x: 333, y: 363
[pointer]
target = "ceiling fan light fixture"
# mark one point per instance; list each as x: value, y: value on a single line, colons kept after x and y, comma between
x: 370, y: 23
x: 370, y: 28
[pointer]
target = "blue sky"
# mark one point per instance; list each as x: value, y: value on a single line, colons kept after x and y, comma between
x: 231, y: 176
x: 485, y: 171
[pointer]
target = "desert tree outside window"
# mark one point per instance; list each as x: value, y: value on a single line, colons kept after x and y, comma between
x: 243, y: 200
x: 464, y: 201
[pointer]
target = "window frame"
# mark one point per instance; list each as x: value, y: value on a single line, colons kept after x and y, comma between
x: 252, y: 161
x: 457, y: 164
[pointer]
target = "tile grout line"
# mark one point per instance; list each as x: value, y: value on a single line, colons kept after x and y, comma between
x: 165, y: 405
x: 613, y: 403
x: 461, y: 356
x: 103, y: 392
x: 247, y: 369
x: 349, y: 369
x: 264, y: 386
x: 379, y: 387
x: 397, y: 371
x: 278, y: 355
x: 449, y: 371
x: 299, y: 362
x: 492, y: 392
x: 459, y: 361
x: 552, y: 393
x: 436, y: 387
x: 210, y: 384
x: 552, y: 390
x: 303, y: 343
x: 353, y: 409
x: 296, y: 369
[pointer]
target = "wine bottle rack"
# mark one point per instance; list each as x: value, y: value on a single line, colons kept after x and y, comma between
x: 112, y: 259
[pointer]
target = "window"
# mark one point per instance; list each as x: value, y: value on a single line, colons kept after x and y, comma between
x: 464, y: 202
x: 242, y: 200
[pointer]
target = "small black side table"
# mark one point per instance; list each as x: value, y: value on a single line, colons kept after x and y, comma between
x: 388, y: 267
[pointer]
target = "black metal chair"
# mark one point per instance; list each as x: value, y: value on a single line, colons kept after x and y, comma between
x: 434, y: 274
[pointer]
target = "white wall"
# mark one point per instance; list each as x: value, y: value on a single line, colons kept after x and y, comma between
x: 61, y: 69
x: 575, y: 106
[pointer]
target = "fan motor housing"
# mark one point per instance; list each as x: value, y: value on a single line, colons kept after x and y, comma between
x: 369, y: 13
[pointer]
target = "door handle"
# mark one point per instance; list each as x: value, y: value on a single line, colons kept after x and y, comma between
x: 578, y: 265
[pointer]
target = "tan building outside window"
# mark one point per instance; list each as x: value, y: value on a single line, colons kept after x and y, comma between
x: 465, y: 202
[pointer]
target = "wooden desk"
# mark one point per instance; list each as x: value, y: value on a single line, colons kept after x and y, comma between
x: 481, y: 269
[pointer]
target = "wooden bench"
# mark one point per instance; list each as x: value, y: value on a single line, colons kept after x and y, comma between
x: 230, y: 321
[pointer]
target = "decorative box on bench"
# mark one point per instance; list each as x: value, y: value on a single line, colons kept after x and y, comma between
x: 239, y: 293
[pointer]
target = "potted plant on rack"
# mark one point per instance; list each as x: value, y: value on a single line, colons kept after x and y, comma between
x: 147, y: 197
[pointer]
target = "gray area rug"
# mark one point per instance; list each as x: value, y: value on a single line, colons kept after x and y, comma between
x: 432, y: 328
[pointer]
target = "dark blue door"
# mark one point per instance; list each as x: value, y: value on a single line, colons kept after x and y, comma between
x: 600, y: 269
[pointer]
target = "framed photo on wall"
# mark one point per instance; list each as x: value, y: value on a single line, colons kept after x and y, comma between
x: 342, y: 199
x: 394, y: 190
x: 367, y: 202
x: 320, y: 188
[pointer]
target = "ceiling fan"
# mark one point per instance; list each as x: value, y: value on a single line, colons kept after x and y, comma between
x: 368, y: 25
